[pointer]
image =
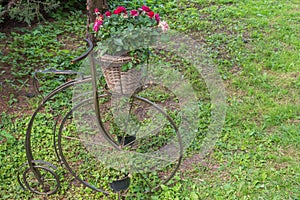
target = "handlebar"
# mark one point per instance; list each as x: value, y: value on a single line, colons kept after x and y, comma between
x: 91, y: 46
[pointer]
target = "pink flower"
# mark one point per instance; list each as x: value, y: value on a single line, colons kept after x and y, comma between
x: 119, y: 10
x: 98, y: 23
x: 96, y: 10
x: 157, y: 18
x: 145, y: 8
x: 96, y: 28
x: 164, y: 26
x: 107, y: 14
x: 150, y: 14
x: 134, y: 13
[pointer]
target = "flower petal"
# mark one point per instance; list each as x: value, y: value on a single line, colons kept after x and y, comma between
x: 146, y: 8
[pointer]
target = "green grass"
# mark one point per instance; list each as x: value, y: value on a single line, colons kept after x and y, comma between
x: 254, y: 44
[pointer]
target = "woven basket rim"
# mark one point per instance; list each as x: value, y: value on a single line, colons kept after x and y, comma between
x: 113, y: 58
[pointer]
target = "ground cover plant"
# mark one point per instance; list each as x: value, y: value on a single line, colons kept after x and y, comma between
x: 254, y: 44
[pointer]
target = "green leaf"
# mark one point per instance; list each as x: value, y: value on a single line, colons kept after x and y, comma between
x: 118, y: 41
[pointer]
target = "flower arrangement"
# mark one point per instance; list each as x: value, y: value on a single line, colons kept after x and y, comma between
x: 128, y: 32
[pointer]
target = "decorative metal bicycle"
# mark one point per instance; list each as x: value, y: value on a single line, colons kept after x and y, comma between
x: 109, y: 141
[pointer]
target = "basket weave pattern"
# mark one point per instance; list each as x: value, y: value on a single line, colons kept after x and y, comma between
x: 117, y: 80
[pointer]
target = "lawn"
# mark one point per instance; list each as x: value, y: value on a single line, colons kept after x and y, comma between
x: 255, y: 47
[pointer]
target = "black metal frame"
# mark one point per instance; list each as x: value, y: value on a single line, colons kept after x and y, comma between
x: 37, y: 166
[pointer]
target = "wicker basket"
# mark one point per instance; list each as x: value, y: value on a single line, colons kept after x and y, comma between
x: 118, y: 81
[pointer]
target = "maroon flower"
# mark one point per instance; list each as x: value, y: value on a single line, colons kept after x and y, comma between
x: 150, y: 14
x: 157, y: 18
x: 119, y: 10
x: 134, y: 13
x: 107, y: 14
x: 146, y: 8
